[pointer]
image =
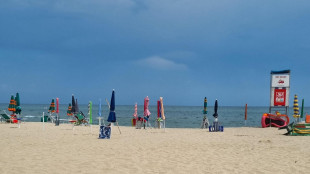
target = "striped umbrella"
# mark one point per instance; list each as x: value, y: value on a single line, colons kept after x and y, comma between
x: 52, y: 107
x: 12, y: 105
x: 146, y: 107
x: 205, y: 104
x: 296, y: 107
x: 69, y: 111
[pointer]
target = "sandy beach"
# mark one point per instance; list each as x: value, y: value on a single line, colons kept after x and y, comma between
x: 61, y: 149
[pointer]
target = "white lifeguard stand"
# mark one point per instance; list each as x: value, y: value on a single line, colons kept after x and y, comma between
x: 279, y: 91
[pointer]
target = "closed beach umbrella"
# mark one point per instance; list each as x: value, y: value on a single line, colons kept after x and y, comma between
x: 215, y: 115
x: 77, y: 110
x: 17, y: 99
x: 135, y: 114
x: 162, y: 108
x: 90, y: 112
x: 205, y: 104
x: 57, y: 105
x: 12, y: 105
x: 112, y: 115
x: 69, y: 111
x: 73, y: 105
x: 302, y: 109
x: 158, y: 109
x: 52, y: 107
x: 99, y: 110
x: 146, y: 107
x: 296, y: 107
x: 18, y: 108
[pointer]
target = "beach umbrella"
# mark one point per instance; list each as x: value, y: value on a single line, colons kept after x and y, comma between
x: 90, y: 112
x: 57, y: 105
x: 135, y: 114
x: 112, y: 115
x: 57, y: 112
x: 215, y: 115
x: 296, y: 107
x: 77, y: 110
x: 159, y: 119
x: 12, y: 105
x: 162, y: 108
x: 205, y: 104
x: 99, y: 110
x: 158, y: 109
x: 69, y: 111
x: 73, y: 105
x: 146, y: 107
x: 52, y: 107
x: 302, y: 109
x: 18, y: 108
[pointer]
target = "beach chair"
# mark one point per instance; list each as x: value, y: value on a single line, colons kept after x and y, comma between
x: 80, y: 119
x: 289, y: 128
x: 6, y: 118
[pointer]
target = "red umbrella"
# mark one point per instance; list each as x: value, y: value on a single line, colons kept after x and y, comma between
x: 57, y: 105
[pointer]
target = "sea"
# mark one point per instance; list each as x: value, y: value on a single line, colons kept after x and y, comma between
x: 176, y: 116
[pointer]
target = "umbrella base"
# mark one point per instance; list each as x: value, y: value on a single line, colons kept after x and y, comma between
x: 216, y: 127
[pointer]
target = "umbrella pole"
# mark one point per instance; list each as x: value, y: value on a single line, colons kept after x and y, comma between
x: 18, y: 120
x: 164, y: 125
x: 43, y: 121
x: 118, y: 128
x: 302, y: 109
x: 245, y: 114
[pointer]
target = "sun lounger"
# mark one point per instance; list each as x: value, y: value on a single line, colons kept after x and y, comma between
x: 6, y: 118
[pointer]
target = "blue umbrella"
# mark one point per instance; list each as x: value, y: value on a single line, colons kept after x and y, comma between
x: 99, y: 111
x: 215, y: 115
x: 112, y: 115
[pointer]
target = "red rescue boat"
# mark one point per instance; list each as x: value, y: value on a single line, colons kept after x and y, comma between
x: 275, y: 120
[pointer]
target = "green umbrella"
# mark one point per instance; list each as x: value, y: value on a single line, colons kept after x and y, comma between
x: 18, y: 108
x: 90, y: 112
x: 52, y: 107
x: 12, y: 105
x: 302, y: 109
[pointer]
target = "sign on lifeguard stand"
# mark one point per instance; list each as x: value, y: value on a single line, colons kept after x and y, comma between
x: 280, y: 90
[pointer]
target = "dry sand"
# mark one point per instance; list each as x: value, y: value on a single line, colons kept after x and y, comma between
x: 59, y: 149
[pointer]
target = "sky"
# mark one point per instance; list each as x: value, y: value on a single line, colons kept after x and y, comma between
x: 181, y: 50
